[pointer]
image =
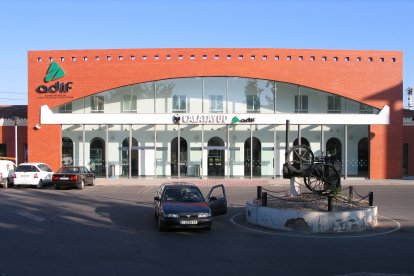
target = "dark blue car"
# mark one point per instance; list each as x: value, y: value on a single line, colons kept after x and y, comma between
x: 182, y: 205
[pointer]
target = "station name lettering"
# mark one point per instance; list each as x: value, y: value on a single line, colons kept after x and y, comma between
x: 203, y: 119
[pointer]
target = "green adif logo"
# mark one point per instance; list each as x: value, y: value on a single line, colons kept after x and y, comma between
x: 54, y: 72
x: 236, y: 120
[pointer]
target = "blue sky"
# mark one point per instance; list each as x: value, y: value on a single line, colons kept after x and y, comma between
x: 27, y: 25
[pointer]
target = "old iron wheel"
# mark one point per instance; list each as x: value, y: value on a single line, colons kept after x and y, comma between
x: 299, y: 158
x: 324, y: 179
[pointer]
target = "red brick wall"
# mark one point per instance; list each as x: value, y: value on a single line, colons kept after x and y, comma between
x: 7, y: 137
x: 409, y: 139
x: 375, y: 79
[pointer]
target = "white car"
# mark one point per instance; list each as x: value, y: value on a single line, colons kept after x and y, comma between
x: 34, y: 174
x: 7, y: 169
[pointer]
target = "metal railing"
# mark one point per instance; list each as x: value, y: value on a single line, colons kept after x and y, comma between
x: 268, y: 197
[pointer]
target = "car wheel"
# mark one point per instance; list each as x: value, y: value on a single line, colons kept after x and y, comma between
x: 160, y: 227
x: 40, y: 184
x: 81, y: 185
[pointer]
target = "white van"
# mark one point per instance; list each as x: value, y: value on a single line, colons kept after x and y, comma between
x: 7, y: 169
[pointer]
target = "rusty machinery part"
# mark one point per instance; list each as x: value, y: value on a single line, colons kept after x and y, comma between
x: 323, y: 179
x: 298, y: 160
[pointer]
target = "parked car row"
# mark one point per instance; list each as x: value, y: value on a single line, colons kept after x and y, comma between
x: 40, y: 174
x: 176, y: 204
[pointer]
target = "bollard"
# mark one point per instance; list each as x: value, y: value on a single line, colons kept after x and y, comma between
x: 351, y: 193
x: 371, y: 199
x: 264, y: 199
x: 330, y: 203
x: 259, y: 192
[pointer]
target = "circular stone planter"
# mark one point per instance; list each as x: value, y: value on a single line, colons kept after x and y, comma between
x: 312, y: 221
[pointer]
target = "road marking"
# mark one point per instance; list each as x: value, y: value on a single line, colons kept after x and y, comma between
x: 316, y: 235
x: 144, y: 190
x: 31, y: 216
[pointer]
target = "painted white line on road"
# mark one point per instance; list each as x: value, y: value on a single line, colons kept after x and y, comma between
x: 317, y: 236
x: 144, y: 190
x: 31, y: 216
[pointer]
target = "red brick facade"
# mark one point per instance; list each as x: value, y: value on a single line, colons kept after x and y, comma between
x: 7, y: 137
x: 371, y: 77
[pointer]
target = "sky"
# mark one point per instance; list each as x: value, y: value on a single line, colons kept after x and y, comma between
x: 28, y: 25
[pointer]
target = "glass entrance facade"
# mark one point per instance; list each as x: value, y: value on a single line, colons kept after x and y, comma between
x: 200, y: 142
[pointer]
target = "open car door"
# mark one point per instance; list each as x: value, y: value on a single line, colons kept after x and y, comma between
x: 217, y: 200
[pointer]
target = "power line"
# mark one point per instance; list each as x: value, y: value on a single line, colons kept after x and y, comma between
x: 12, y: 99
x: 5, y: 92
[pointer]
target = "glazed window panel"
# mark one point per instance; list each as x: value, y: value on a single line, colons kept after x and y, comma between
x: 214, y: 92
x: 78, y: 106
x: 316, y: 99
x: 334, y: 104
x: 113, y: 99
x: 236, y: 102
x: 354, y: 107
x: 97, y: 104
x: 163, y: 96
x: 301, y: 104
x: 259, y: 95
x: 365, y: 109
x: 285, y: 97
x: 253, y: 103
x: 66, y: 108
x: 179, y: 103
x: 216, y: 103
x: 267, y: 96
x: 129, y: 103
x: 167, y: 89
x: 145, y: 94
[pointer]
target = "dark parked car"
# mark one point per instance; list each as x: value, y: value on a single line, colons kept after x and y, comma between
x: 73, y: 176
x: 182, y: 205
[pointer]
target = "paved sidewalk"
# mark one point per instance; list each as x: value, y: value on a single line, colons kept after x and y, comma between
x: 242, y: 182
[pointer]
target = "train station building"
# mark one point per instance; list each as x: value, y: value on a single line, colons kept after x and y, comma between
x: 219, y: 113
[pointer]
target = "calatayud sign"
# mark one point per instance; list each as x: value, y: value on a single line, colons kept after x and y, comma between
x: 54, y: 72
x: 204, y: 119
x: 209, y: 119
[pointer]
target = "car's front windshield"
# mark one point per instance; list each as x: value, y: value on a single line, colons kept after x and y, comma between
x: 183, y: 194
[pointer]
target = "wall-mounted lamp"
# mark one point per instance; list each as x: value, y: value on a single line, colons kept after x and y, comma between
x: 37, y: 127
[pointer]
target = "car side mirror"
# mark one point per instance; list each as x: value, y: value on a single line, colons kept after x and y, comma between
x: 157, y: 198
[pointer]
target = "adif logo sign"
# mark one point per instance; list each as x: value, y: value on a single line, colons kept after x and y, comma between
x: 54, y: 72
x: 236, y: 120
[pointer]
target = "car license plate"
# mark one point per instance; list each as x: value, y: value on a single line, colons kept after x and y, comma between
x: 188, y: 222
x: 64, y: 178
x: 25, y: 175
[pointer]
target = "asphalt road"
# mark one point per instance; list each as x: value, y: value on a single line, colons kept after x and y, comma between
x: 111, y: 230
